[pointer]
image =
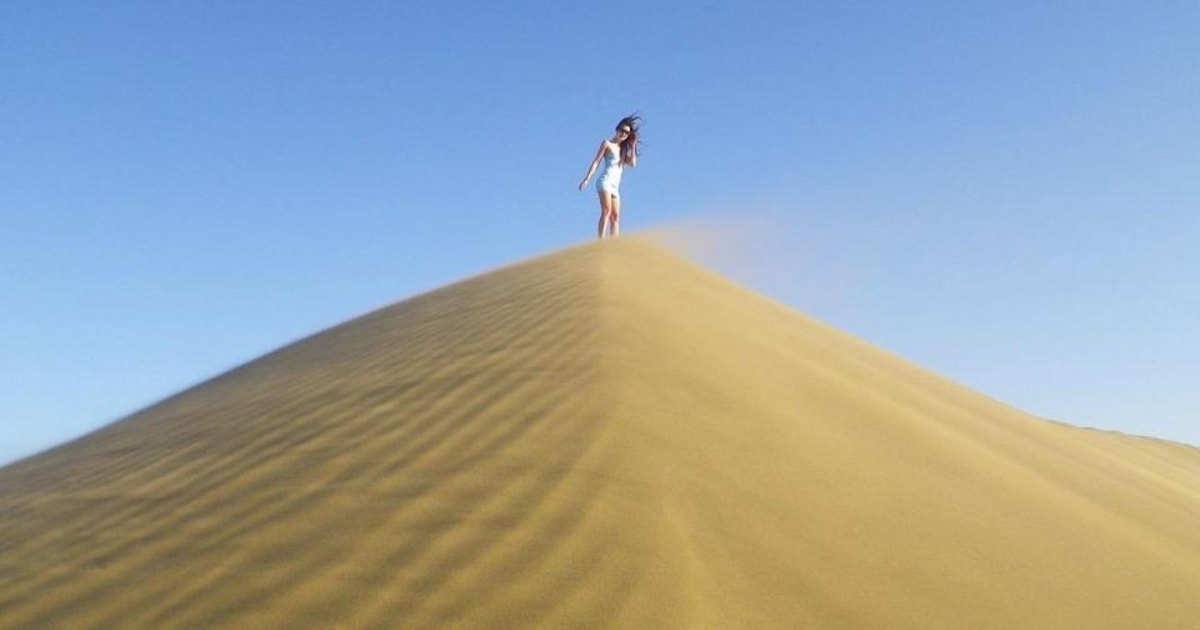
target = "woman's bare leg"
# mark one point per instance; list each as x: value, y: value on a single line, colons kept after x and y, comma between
x: 605, y: 213
x: 615, y: 215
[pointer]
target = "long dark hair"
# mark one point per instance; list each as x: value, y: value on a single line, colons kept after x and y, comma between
x: 629, y: 145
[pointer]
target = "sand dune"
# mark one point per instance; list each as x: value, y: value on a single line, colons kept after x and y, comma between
x: 603, y: 437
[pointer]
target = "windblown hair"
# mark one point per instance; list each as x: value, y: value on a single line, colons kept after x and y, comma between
x: 629, y: 145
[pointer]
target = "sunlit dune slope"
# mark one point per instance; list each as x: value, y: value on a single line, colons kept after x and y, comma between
x: 603, y: 437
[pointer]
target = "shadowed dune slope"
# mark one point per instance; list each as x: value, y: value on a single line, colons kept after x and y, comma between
x: 602, y: 437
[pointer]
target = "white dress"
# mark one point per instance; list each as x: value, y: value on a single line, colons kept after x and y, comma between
x: 609, y: 180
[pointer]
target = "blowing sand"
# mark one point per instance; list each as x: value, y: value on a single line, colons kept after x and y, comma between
x: 603, y: 437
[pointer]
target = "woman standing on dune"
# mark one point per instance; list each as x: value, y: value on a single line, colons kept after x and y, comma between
x: 615, y: 154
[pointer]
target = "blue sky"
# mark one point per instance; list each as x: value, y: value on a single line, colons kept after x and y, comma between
x: 1007, y: 193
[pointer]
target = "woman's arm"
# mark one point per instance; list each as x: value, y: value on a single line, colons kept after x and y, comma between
x: 595, y: 163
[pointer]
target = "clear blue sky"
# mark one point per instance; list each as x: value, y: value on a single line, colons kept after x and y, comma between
x: 1007, y: 193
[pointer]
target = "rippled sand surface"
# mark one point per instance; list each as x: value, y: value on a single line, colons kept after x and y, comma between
x: 605, y: 437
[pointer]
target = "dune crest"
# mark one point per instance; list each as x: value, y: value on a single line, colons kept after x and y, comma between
x: 605, y: 437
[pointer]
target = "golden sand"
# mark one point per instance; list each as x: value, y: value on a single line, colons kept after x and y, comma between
x: 603, y: 437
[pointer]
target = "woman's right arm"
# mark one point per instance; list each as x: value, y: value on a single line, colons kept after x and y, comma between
x: 592, y: 168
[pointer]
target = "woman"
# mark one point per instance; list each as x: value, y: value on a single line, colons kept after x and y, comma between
x: 616, y: 153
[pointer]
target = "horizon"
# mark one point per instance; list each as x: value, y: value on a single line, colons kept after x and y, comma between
x: 1003, y: 194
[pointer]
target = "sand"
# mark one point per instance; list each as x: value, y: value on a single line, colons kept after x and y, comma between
x: 604, y: 437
